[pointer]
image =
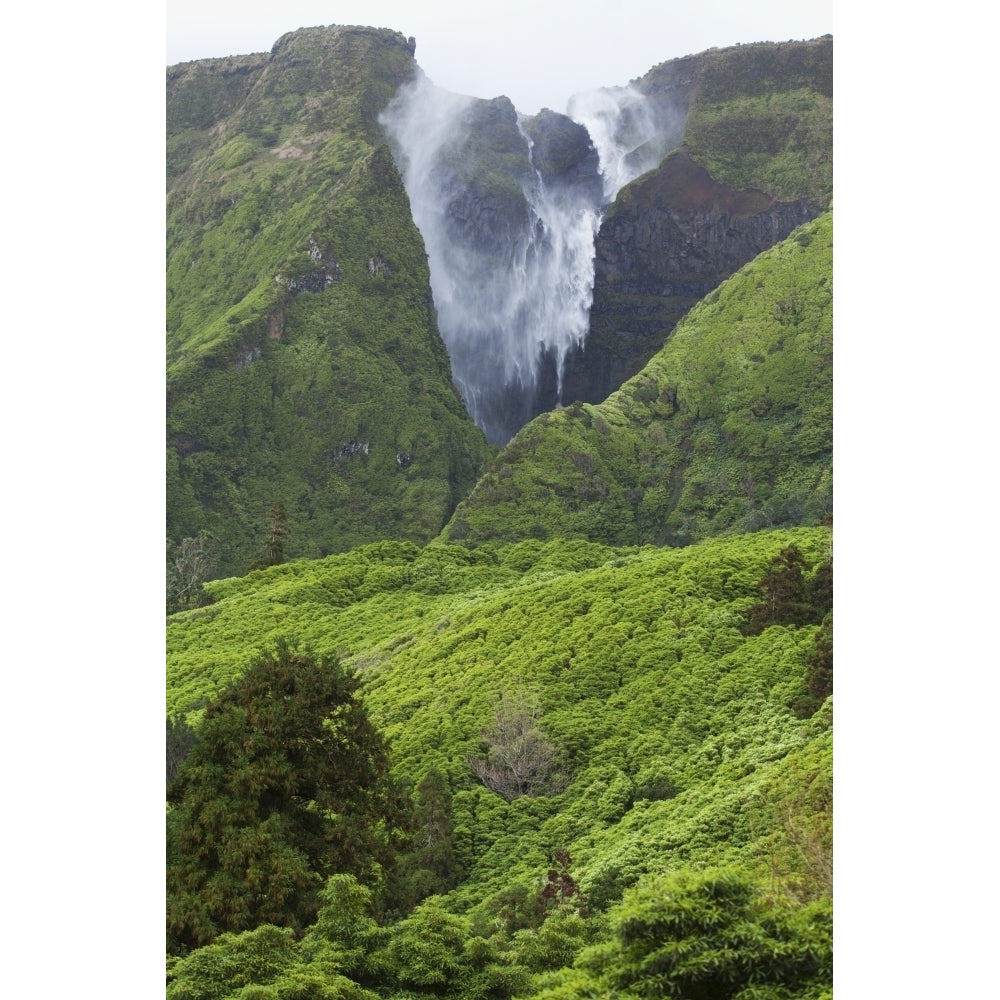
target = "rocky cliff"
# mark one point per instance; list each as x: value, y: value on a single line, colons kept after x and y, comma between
x: 565, y: 248
x: 670, y: 239
x: 507, y: 207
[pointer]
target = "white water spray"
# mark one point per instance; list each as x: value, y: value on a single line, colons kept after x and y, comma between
x: 559, y: 288
x: 511, y: 254
x: 621, y: 124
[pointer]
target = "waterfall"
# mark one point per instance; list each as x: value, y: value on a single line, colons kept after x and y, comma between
x: 510, y: 240
x: 621, y: 123
x: 559, y: 284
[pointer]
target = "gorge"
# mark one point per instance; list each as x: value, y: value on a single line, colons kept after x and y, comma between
x: 512, y: 210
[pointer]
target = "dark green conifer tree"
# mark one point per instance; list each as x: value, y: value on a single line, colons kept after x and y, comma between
x: 785, y: 593
x: 278, y: 534
x: 430, y: 867
x: 820, y: 676
x: 180, y: 739
x: 287, y: 784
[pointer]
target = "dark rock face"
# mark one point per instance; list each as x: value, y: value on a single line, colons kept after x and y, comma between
x: 671, y: 238
x: 479, y: 175
x: 562, y: 152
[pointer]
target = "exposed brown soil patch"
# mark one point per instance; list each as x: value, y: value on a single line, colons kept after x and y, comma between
x: 683, y: 184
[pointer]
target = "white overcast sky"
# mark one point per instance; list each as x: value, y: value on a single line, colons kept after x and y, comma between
x: 537, y: 52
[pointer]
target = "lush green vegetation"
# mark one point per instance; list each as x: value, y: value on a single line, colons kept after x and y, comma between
x: 542, y: 754
x: 762, y: 117
x: 727, y: 429
x: 677, y: 742
x: 304, y: 362
x: 285, y: 785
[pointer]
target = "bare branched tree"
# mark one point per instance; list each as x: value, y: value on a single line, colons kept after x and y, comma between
x: 519, y: 759
x: 189, y: 565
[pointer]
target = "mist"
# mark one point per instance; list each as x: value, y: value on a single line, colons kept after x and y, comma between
x: 509, y: 207
x: 622, y: 124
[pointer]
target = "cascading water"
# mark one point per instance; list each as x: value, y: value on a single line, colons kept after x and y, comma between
x: 510, y: 241
x: 559, y: 285
x: 623, y: 126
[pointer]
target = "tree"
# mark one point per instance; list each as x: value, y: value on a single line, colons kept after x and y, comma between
x: 787, y: 594
x: 180, y: 739
x: 287, y: 784
x: 231, y: 962
x: 430, y: 867
x: 820, y: 589
x: 426, y: 951
x: 555, y: 943
x: 278, y: 534
x: 519, y: 759
x: 189, y: 565
x: 820, y: 660
x: 346, y: 937
x: 560, y: 887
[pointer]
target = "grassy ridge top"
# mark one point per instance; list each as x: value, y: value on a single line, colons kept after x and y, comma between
x: 755, y: 116
x: 727, y: 429
x: 762, y: 117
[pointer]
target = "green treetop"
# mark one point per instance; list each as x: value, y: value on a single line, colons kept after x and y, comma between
x: 286, y: 786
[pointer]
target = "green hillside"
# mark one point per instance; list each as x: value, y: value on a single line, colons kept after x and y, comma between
x: 304, y: 365
x: 727, y: 429
x: 677, y: 742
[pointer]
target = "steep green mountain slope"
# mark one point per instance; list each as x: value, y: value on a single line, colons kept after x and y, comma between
x: 304, y: 365
x: 727, y: 429
x: 673, y: 739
